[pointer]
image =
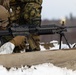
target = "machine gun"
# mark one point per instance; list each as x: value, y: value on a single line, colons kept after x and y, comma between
x: 23, y: 30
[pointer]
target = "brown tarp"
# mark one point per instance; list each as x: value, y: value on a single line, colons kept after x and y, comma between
x: 62, y: 58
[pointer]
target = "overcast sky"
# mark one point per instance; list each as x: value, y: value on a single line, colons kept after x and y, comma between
x: 55, y: 9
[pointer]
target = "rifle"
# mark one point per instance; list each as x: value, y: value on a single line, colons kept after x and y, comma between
x: 25, y: 30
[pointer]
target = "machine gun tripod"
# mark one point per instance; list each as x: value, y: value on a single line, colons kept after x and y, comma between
x: 63, y: 35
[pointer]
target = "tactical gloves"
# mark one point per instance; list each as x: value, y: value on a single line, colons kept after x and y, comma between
x: 19, y: 41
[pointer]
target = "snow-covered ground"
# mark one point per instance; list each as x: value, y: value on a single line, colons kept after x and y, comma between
x: 56, y: 46
x: 41, y: 69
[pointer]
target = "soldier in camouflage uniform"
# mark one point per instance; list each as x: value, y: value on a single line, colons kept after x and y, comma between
x: 26, y: 12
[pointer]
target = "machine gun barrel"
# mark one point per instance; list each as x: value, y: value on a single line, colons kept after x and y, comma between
x: 41, y: 30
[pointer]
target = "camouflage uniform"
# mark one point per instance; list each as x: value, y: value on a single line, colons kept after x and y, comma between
x: 27, y: 12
